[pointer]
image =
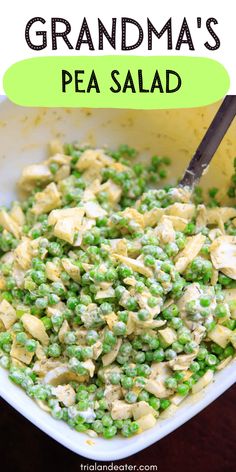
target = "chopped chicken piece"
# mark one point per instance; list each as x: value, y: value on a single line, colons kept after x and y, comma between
x: 108, y: 358
x: 183, y: 361
x: 7, y: 314
x: 17, y: 214
x: 23, y: 254
x: 67, y: 222
x: 65, y: 394
x: 56, y: 215
x: 18, y: 275
x: 61, y: 375
x: 53, y: 271
x: 112, y: 393
x: 141, y: 409
x: 97, y: 349
x: 136, y: 265
x: 191, y: 292
x: 91, y: 163
x: 193, y: 246
x: 72, y: 269
x: 220, y: 335
x: 35, y: 327
x: 229, y: 294
x: 94, y: 210
x: 184, y: 210
x: 165, y: 230
x: 113, y: 191
x: 169, y: 412
x: 199, y: 333
x: 63, y: 330
x: 179, y: 224
x: 168, y: 336
x: 121, y: 410
x: 43, y: 366
x: 62, y: 173
x: 152, y: 217
x: 157, y: 388
x: 201, y: 219
x: 217, y: 215
x: 203, y: 381
x: 133, y: 215
x: 9, y: 224
x: 223, y: 255
x: 146, y: 422
x: 20, y: 353
x: 59, y: 308
x: 224, y: 363
x: 111, y: 319
x: 107, y: 293
x: 89, y: 366
x: 40, y: 354
x: 181, y: 194
x: 47, y: 200
x: 119, y: 246
x: 33, y: 174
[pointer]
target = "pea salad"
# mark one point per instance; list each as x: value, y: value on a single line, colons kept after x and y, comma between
x: 117, y: 292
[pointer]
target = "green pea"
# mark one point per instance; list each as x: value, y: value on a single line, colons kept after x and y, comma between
x: 152, y: 302
x: 38, y: 277
x: 72, y: 302
x: 92, y: 337
x: 98, y: 427
x: 54, y: 350
x: 202, y: 353
x: 221, y: 311
x: 228, y: 351
x: 107, y: 420
x: 31, y: 345
x: 205, y: 301
x: 164, y: 403
x: 47, y: 322
x: 143, y: 315
x: 170, y: 312
x: 194, y: 367
x: 127, y: 382
x: 154, y: 403
x: 109, y: 432
x: 130, y: 397
x: 53, y: 299
x: 21, y: 338
x: 41, y: 303
x: 126, y: 349
x: 81, y: 395
x: 119, y: 328
x: 114, y: 378
x: 143, y: 370
x: 211, y: 359
x: 158, y: 355
x: 171, y: 383
x: 55, y: 249
x: 183, y: 389
x: 125, y: 271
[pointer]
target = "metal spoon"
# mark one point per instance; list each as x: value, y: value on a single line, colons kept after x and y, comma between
x: 210, y: 142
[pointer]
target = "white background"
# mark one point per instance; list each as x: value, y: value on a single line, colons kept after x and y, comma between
x: 15, y: 14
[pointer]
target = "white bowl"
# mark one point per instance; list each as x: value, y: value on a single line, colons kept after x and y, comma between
x: 24, y: 135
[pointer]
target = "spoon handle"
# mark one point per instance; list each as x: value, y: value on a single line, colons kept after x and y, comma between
x: 210, y: 141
